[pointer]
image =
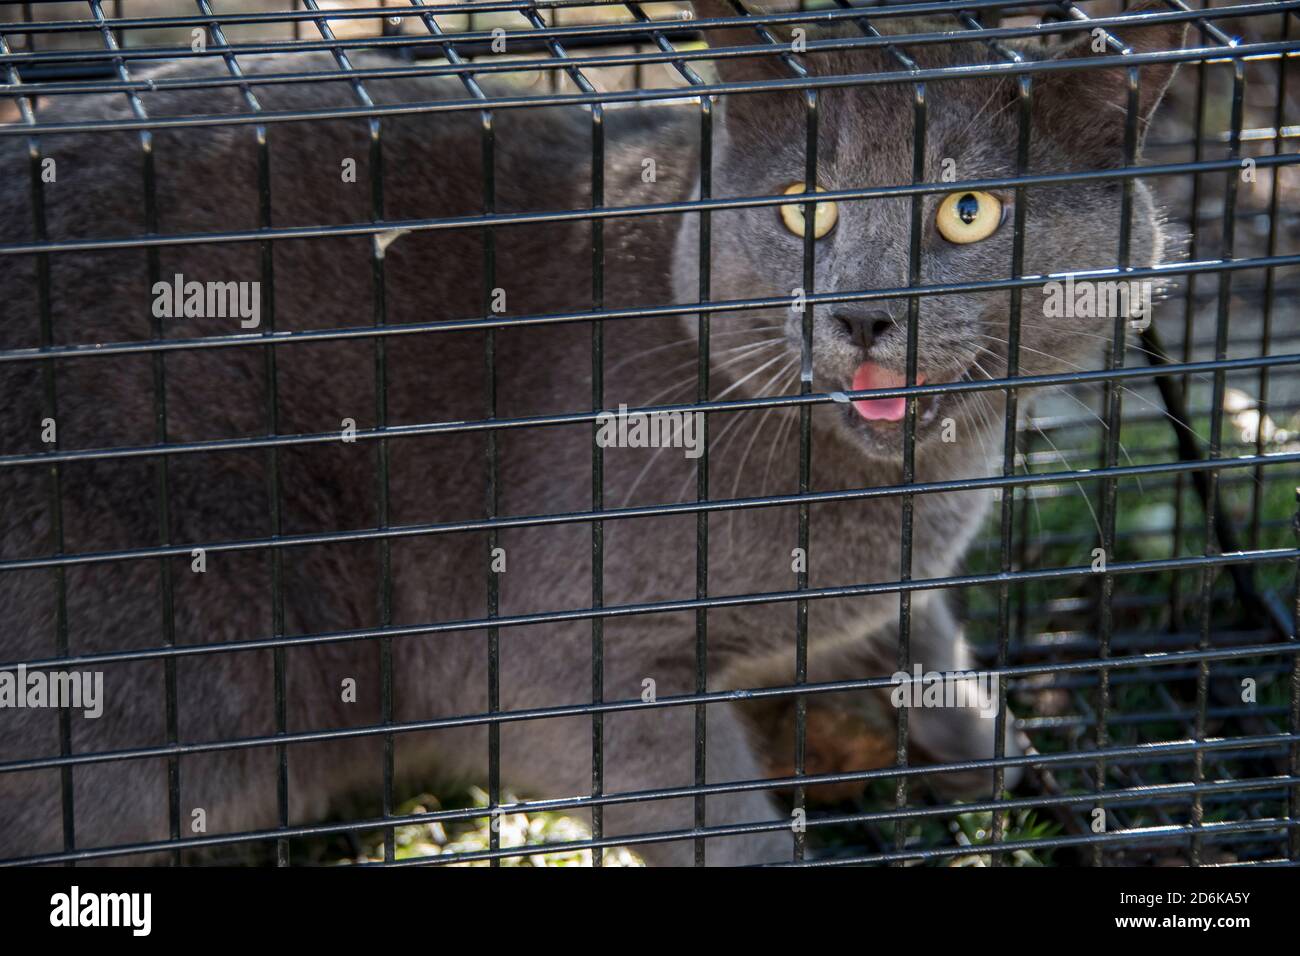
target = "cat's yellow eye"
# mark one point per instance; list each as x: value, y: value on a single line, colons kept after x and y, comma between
x: 824, y: 214
x: 968, y: 217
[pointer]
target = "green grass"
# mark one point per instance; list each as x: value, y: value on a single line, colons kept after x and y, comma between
x: 1061, y: 524
x: 435, y: 839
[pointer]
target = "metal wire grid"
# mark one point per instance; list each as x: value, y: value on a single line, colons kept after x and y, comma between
x: 1108, y: 661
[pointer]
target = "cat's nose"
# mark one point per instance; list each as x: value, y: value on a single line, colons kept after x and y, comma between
x: 866, y: 328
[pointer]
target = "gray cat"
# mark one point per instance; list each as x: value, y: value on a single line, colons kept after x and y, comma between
x: 206, y: 182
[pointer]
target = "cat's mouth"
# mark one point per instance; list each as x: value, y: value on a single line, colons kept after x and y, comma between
x: 889, y: 412
x: 870, y: 375
x: 878, y: 423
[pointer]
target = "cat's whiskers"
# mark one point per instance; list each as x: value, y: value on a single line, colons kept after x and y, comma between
x: 739, y: 416
x: 1070, y: 466
x: 980, y: 112
x: 693, y: 342
x: 694, y: 380
x: 782, y: 432
x: 1078, y: 485
x: 1124, y: 388
x: 1203, y: 376
x: 732, y: 350
x: 987, y: 412
x: 781, y: 373
x: 990, y: 419
x: 1065, y: 390
x: 741, y: 381
x: 745, y: 351
x: 781, y: 437
x: 1084, y: 405
x: 785, y: 373
x: 988, y: 425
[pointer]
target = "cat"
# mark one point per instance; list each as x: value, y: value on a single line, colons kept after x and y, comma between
x: 206, y: 182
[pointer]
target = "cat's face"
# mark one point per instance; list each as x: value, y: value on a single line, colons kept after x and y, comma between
x: 866, y: 137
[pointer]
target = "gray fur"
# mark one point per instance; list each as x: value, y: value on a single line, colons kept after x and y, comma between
x: 206, y: 182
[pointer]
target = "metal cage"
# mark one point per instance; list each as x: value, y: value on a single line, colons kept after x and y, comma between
x: 1127, y: 677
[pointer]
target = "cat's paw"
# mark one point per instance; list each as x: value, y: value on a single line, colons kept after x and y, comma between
x: 836, y: 741
x: 978, y: 784
x: 855, y: 732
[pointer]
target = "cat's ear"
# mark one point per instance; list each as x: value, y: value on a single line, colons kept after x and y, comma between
x: 741, y: 69
x: 1087, y: 108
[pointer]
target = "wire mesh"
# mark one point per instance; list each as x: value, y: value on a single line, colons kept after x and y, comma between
x: 1132, y: 592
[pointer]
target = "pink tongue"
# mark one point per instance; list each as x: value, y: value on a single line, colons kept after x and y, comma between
x: 871, y: 375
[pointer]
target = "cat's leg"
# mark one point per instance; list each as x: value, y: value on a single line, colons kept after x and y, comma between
x: 648, y: 750
x: 655, y: 748
x: 844, y: 731
x: 948, y: 734
x: 857, y: 730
